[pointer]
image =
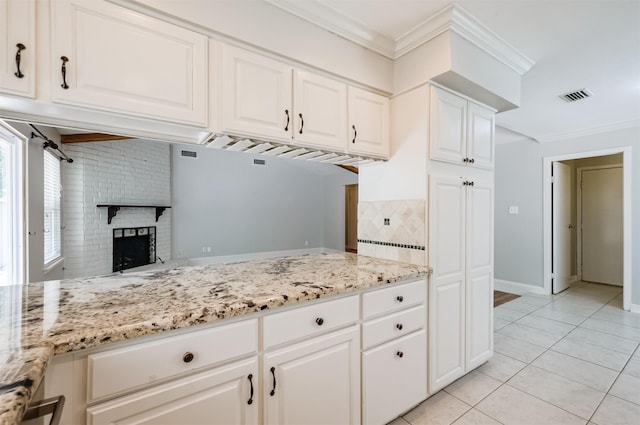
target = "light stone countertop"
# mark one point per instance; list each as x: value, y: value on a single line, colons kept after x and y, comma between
x: 42, y: 319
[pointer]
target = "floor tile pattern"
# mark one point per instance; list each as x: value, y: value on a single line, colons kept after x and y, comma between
x: 571, y: 358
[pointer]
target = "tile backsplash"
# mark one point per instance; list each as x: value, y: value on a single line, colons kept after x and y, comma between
x: 393, y: 230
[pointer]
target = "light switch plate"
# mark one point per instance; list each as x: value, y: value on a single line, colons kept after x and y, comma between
x: 513, y: 210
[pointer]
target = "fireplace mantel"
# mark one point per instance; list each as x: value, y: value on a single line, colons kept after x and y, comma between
x: 114, y: 208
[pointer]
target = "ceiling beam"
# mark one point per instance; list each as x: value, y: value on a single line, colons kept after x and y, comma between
x: 349, y: 168
x: 90, y: 137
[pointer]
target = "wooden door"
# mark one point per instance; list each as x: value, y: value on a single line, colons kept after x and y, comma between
x: 479, y: 272
x: 18, y: 29
x: 368, y: 123
x: 256, y: 95
x: 123, y: 61
x: 448, y: 134
x: 220, y: 396
x: 602, y: 230
x: 314, y: 382
x: 351, y: 218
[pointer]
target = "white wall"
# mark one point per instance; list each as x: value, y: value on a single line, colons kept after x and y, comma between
x: 223, y: 201
x: 519, y: 238
x: 134, y: 172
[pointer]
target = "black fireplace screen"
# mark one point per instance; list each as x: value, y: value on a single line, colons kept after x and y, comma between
x: 133, y: 247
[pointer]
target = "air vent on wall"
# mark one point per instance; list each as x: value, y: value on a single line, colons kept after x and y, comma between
x: 574, y: 96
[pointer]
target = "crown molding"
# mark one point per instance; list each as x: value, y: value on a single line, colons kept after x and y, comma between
x: 452, y: 17
x: 607, y: 128
x: 333, y: 21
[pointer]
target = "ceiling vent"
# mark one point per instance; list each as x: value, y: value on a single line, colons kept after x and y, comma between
x: 574, y: 96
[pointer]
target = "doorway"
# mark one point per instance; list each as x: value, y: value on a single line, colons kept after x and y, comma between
x: 551, y: 259
x: 351, y: 218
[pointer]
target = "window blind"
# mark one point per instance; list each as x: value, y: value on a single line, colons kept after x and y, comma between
x: 52, y: 195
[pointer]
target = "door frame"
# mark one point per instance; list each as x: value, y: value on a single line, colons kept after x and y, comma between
x: 579, y: 209
x: 626, y: 211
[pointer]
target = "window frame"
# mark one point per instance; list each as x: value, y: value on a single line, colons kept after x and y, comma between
x: 56, y: 226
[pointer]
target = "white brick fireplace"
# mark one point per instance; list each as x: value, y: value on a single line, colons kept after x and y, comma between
x: 130, y: 172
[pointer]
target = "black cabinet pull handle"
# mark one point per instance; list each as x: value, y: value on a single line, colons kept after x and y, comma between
x: 286, y: 127
x: 64, y: 60
x: 399, y: 326
x: 465, y: 159
x: 472, y: 184
x: 472, y: 160
x: 250, y: 378
x: 301, y: 122
x: 273, y: 373
x: 355, y: 133
x: 319, y: 321
x: 399, y: 298
x: 188, y: 356
x: 20, y: 47
x: 400, y: 354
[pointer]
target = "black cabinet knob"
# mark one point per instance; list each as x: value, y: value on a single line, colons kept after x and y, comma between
x: 319, y: 321
x: 188, y: 357
x: 400, y: 354
x: 399, y: 326
x: 399, y: 298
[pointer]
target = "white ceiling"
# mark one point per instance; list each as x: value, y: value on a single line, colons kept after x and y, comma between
x: 575, y: 44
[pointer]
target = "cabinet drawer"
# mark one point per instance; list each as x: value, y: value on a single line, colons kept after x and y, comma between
x: 392, y: 326
x: 119, y: 370
x: 386, y: 300
x: 394, y: 378
x: 309, y: 320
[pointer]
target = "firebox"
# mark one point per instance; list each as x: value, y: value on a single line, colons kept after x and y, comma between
x: 133, y: 247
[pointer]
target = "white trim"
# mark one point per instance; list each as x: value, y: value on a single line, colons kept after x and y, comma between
x: 627, y: 221
x: 517, y: 287
x: 451, y: 18
x: 573, y: 279
x: 634, y: 308
x: 622, y: 125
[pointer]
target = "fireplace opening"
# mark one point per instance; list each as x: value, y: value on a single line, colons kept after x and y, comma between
x: 133, y: 247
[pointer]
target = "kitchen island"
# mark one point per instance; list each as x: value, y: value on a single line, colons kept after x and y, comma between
x: 44, y: 319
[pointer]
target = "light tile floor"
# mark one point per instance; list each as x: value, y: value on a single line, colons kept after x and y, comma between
x: 571, y: 358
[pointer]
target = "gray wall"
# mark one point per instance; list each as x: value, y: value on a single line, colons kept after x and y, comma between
x: 222, y: 200
x: 519, y: 238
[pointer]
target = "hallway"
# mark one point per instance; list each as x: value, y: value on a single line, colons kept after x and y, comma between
x: 571, y: 358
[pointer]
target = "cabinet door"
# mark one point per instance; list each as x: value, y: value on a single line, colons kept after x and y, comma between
x: 448, y: 134
x: 256, y: 95
x: 368, y: 123
x: 18, y: 34
x: 220, y: 396
x: 479, y: 272
x: 480, y: 136
x: 314, y: 382
x: 320, y: 107
x: 122, y: 61
x: 446, y: 287
x: 394, y: 378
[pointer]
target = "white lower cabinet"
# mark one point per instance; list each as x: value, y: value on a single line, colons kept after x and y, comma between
x: 225, y: 395
x: 394, y: 356
x: 394, y: 378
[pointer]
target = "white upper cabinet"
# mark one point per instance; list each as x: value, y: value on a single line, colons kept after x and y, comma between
x: 368, y: 123
x: 110, y: 58
x: 256, y: 95
x: 320, y: 107
x: 18, y: 47
x: 462, y: 132
x: 480, y: 136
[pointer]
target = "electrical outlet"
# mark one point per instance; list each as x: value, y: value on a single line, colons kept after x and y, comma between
x: 387, y: 221
x: 513, y: 210
x: 306, y: 243
x: 204, y: 249
x: 208, y: 249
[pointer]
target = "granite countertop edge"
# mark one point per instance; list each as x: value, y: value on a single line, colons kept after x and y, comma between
x: 36, y: 352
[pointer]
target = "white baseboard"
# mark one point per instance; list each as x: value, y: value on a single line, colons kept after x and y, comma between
x: 635, y: 308
x: 573, y: 278
x: 517, y: 287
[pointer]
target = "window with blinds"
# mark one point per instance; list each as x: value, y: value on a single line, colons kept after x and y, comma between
x: 52, y: 195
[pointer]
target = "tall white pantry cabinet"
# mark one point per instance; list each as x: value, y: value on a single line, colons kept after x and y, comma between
x: 460, y: 235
